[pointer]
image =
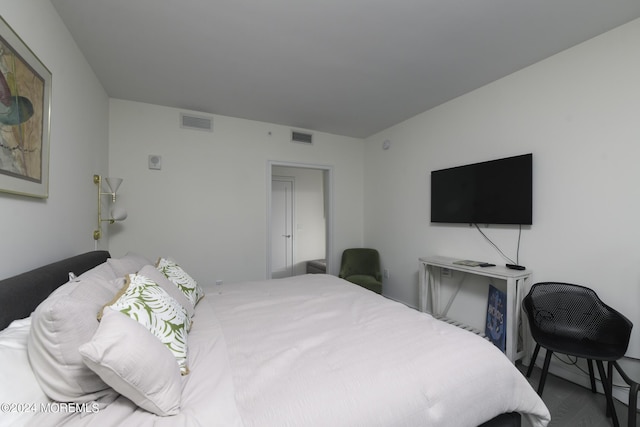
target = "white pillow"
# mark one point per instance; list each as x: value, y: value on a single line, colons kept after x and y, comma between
x: 151, y: 306
x: 130, y: 263
x: 103, y: 272
x: 60, y: 324
x: 182, y: 280
x: 122, y: 352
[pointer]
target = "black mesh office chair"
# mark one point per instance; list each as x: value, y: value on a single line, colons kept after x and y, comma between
x: 571, y: 319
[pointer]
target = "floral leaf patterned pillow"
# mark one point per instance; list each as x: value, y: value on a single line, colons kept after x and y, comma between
x: 151, y: 306
x: 181, y: 279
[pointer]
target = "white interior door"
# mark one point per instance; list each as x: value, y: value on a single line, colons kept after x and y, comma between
x: 281, y: 227
x: 277, y: 170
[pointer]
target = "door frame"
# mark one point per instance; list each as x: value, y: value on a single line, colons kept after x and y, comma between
x: 328, y: 207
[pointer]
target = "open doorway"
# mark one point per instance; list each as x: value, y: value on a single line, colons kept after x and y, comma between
x: 298, y: 217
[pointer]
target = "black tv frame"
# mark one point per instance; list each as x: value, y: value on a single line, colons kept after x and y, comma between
x: 492, y: 192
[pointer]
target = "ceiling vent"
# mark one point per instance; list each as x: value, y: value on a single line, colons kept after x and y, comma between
x: 189, y: 121
x: 301, y: 137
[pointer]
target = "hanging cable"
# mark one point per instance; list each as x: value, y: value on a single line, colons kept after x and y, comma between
x: 518, y: 247
x: 496, y: 246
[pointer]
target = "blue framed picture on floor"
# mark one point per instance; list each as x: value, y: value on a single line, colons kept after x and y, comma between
x: 496, y: 318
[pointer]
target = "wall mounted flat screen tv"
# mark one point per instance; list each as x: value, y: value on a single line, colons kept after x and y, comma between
x: 493, y: 192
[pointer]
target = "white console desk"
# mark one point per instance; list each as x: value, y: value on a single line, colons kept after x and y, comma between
x: 517, y: 280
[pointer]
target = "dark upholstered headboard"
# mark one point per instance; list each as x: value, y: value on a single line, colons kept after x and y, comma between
x: 21, y: 294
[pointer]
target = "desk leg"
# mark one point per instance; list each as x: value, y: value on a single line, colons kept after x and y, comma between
x: 512, y: 320
x: 429, y: 290
x: 434, y: 290
x: 521, y: 327
x: 514, y: 316
x: 422, y: 290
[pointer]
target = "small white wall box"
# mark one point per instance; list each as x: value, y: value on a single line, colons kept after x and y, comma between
x: 155, y: 162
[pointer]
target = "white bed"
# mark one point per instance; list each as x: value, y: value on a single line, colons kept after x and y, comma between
x: 311, y: 350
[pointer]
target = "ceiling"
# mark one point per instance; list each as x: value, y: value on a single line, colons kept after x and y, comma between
x: 347, y: 67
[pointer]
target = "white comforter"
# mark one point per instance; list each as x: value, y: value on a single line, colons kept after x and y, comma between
x: 316, y: 351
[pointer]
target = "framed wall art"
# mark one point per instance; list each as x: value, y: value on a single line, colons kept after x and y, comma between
x: 25, y: 110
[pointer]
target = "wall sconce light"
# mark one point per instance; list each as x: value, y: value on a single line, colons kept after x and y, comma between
x: 117, y: 213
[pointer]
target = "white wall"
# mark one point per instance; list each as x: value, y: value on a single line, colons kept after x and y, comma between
x: 309, y: 229
x: 207, y: 207
x: 577, y: 112
x: 36, y: 231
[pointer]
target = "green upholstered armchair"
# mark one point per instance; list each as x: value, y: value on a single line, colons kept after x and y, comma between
x: 362, y: 267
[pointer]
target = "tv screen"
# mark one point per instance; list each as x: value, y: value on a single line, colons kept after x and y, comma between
x: 493, y: 192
